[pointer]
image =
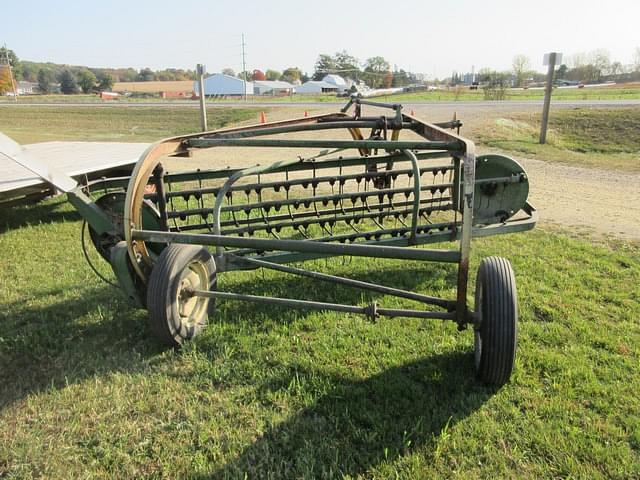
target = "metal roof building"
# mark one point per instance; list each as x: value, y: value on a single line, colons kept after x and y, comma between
x: 336, y: 80
x: 329, y: 84
x: 317, y: 86
x: 221, y: 84
x: 273, y: 87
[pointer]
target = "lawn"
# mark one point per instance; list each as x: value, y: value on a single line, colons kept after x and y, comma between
x: 594, y: 137
x: 267, y: 392
x: 130, y: 124
x: 613, y: 92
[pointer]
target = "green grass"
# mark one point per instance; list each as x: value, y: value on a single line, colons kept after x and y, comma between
x: 89, y: 98
x: 593, y: 137
x: 130, y: 124
x: 277, y: 393
x: 618, y: 92
x: 613, y: 92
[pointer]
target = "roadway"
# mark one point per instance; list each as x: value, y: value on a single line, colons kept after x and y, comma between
x: 446, y: 104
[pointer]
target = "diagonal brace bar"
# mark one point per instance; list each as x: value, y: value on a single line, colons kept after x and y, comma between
x: 346, y: 281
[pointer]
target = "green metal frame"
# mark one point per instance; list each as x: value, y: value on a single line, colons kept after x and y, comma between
x: 233, y: 251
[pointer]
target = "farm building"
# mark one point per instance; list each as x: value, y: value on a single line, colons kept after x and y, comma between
x: 338, y: 81
x: 176, y: 89
x: 329, y: 84
x: 221, y: 84
x: 272, y: 87
x: 27, y: 88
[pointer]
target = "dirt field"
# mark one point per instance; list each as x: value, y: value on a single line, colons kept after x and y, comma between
x: 591, y: 201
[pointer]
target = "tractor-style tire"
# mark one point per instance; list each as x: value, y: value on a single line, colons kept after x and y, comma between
x: 496, y: 324
x: 174, y: 315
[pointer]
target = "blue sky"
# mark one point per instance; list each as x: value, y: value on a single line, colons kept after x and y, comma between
x: 431, y: 37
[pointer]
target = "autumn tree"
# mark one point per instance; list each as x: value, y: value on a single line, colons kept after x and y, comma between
x: 6, y: 85
x: 272, y: 74
x: 258, y: 75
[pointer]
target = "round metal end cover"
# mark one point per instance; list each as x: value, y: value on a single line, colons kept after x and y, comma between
x: 502, y: 188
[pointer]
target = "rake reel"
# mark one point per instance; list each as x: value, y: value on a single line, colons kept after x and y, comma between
x: 359, y: 189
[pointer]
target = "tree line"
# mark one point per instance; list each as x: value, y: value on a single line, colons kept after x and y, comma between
x: 591, y: 67
x: 376, y: 72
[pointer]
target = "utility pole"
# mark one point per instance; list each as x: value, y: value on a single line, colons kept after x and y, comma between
x: 549, y: 59
x: 200, y: 69
x: 13, y: 83
x: 244, y: 72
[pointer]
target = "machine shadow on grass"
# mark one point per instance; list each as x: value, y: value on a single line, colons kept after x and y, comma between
x: 363, y: 423
x: 55, y: 210
x: 358, y: 423
x: 417, y: 278
x: 95, y: 331
x: 68, y: 341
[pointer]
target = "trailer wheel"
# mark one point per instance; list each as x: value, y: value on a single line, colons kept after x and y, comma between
x: 495, y: 326
x: 176, y: 316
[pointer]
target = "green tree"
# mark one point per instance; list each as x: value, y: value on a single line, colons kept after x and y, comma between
x: 44, y: 81
x: 347, y: 65
x: 87, y: 81
x: 68, y: 83
x: 229, y: 71
x: 375, y: 71
x: 636, y: 60
x: 324, y: 65
x: 146, y: 75
x: 29, y: 71
x: 129, y: 75
x: 14, y: 61
x: 272, y: 74
x: 291, y: 74
x: 562, y: 71
x: 105, y: 82
x: 401, y: 78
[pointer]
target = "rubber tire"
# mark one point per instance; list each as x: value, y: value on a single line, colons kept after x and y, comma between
x: 162, y: 289
x: 496, y: 336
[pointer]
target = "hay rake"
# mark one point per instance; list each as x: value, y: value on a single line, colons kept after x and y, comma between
x: 369, y: 193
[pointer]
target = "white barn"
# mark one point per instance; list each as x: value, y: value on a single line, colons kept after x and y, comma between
x: 272, y: 87
x: 329, y: 84
x: 338, y: 81
x: 317, y: 86
x: 221, y: 84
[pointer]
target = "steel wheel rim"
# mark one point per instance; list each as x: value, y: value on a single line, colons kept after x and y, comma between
x: 191, y: 308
